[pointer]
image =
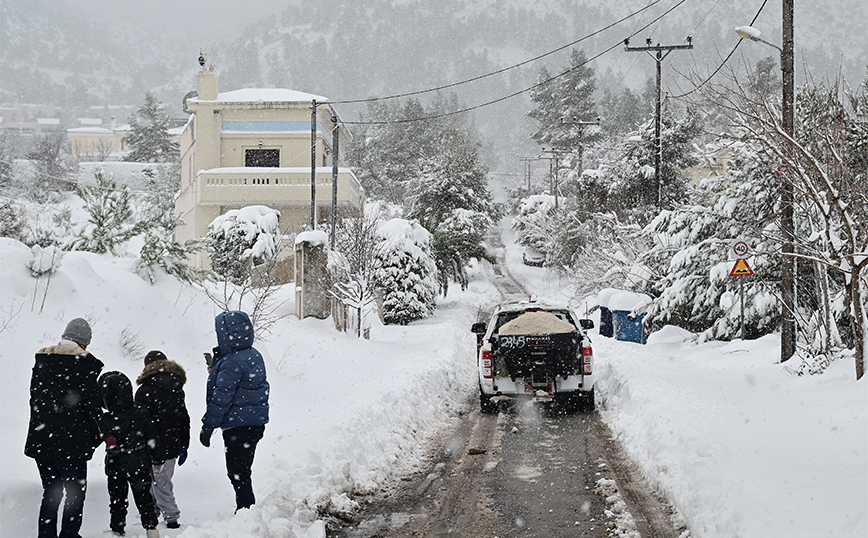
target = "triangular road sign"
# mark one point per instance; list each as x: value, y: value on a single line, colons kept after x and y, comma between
x: 741, y: 268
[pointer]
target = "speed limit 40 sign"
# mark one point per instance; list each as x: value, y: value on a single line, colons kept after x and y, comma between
x: 739, y: 249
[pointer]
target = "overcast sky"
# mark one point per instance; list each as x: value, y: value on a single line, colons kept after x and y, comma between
x: 197, y: 17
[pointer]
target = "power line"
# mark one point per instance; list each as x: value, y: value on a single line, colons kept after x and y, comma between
x: 519, y: 92
x: 728, y: 56
x: 503, y: 70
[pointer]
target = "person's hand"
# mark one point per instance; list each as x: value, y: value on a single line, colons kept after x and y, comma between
x: 205, y: 438
x: 110, y: 442
x: 183, y: 457
x: 159, y: 468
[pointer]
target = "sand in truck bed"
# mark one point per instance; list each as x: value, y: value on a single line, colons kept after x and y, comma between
x: 538, y: 322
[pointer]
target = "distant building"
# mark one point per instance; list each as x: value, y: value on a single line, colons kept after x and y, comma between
x: 94, y: 141
x: 253, y: 147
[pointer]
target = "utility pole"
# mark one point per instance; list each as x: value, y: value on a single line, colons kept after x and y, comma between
x: 581, y: 125
x: 659, y: 56
x: 788, y: 318
x: 526, y: 171
x: 555, y: 173
x: 336, y: 135
x: 313, y: 165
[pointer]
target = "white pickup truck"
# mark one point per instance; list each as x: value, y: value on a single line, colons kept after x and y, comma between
x: 533, y: 351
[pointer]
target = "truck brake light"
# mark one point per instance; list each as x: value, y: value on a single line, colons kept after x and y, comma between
x: 486, y: 364
x: 587, y: 360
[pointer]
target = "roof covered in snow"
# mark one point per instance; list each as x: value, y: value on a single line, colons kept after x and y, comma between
x: 267, y: 95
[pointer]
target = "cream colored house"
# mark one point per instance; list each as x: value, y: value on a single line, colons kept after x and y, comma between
x: 253, y: 147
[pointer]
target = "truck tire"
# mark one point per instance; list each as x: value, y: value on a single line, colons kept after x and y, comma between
x: 486, y: 405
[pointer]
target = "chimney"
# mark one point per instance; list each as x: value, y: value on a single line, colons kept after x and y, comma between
x: 113, y: 123
x: 208, y: 86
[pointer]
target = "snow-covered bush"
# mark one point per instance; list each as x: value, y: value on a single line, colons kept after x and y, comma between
x: 242, y: 238
x: 45, y: 260
x: 405, y: 271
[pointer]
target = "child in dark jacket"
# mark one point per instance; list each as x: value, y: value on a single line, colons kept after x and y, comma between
x: 130, y: 437
x: 162, y: 393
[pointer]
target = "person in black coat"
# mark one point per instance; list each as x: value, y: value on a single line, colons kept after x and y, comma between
x: 161, y: 391
x: 64, y: 430
x: 130, y: 437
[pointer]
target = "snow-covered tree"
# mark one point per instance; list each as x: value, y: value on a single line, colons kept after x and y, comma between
x: 242, y: 238
x: 450, y: 198
x: 53, y: 166
x: 110, y: 220
x: 562, y: 101
x: 534, y: 221
x: 689, y: 261
x: 149, y: 134
x: 825, y: 165
x: 630, y: 175
x: 405, y: 271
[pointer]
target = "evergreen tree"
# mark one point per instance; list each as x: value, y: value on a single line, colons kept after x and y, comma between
x: 242, y: 238
x: 630, y: 176
x: 149, y: 134
x: 405, y: 271
x: 450, y: 198
x: 110, y: 216
x: 53, y: 166
x: 564, y: 101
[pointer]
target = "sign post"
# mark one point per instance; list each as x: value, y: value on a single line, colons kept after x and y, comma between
x: 741, y: 268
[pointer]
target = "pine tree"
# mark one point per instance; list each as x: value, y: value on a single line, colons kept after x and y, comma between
x: 450, y: 198
x: 149, y: 134
x: 563, y: 101
x: 110, y: 216
x: 405, y: 271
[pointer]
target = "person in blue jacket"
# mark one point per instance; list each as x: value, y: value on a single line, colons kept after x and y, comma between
x: 237, y: 400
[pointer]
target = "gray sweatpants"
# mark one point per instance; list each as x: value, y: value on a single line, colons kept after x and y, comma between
x: 163, y: 491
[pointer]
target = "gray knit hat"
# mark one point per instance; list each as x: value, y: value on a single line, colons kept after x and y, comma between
x: 78, y: 330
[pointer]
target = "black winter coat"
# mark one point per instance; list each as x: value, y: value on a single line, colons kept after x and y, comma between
x: 64, y: 404
x: 129, y: 423
x: 162, y: 393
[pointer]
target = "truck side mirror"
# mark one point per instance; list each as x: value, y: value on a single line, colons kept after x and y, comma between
x: 586, y: 324
x: 478, y: 328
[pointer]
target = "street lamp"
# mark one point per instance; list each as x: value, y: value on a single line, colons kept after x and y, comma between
x: 788, y: 319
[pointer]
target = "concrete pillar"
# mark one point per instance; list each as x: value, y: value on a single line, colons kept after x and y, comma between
x: 311, y: 276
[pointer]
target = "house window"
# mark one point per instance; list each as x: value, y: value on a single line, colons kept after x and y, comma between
x: 269, y: 158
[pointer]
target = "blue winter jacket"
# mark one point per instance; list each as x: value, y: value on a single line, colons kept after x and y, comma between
x: 237, y: 390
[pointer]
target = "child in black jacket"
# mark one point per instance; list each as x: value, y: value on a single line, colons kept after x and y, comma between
x: 130, y: 437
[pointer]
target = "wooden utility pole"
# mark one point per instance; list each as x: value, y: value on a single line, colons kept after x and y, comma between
x: 659, y: 56
x: 788, y: 300
x: 581, y: 125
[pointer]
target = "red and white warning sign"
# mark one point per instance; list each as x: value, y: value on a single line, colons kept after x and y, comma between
x: 741, y: 268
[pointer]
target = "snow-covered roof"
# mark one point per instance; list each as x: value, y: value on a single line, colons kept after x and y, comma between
x: 266, y: 95
x: 90, y: 121
x: 47, y: 121
x: 615, y: 299
x: 90, y: 130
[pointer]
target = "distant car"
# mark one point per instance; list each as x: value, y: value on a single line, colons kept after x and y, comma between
x: 532, y: 256
x: 535, y: 352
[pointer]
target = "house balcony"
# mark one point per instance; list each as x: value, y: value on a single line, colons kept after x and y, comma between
x: 277, y: 187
